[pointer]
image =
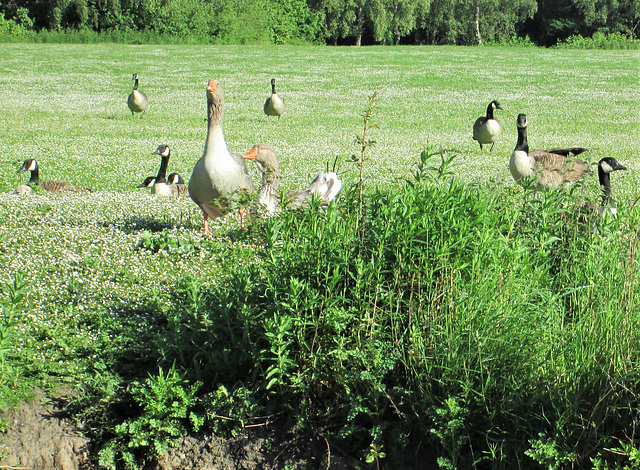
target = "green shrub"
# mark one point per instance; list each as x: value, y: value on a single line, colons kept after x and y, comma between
x: 600, y: 41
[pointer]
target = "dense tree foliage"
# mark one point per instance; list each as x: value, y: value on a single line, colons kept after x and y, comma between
x: 335, y: 21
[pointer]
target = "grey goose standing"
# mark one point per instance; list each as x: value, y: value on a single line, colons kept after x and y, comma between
x: 137, y: 101
x: 31, y: 165
x: 274, y: 105
x: 325, y: 186
x: 553, y: 168
x: 487, y: 129
x: 218, y: 177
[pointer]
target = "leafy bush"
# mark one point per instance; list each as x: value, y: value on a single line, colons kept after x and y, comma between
x: 600, y: 41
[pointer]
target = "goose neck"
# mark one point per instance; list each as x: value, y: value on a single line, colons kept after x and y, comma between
x: 605, y: 183
x: 522, y: 140
x: 162, y: 172
x: 490, y: 111
x: 35, y: 176
x: 271, y: 180
x: 135, y: 84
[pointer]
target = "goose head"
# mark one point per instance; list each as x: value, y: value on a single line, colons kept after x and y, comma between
x: 174, y: 178
x: 610, y: 164
x: 521, y: 122
x: 265, y: 158
x: 163, y: 150
x: 495, y: 105
x: 148, y: 182
x: 134, y: 77
x: 28, y: 165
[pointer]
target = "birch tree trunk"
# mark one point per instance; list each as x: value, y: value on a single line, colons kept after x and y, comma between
x: 478, y: 35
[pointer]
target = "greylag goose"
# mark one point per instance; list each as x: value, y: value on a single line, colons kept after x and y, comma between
x: 274, y: 106
x: 48, y: 186
x: 325, y: 186
x: 487, y: 129
x: 553, y: 167
x: 138, y: 101
x: 217, y: 176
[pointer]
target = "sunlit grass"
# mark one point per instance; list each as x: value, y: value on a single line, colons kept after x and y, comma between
x: 66, y: 105
x: 93, y: 283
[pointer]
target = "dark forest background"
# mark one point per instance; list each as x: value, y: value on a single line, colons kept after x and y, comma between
x: 354, y: 22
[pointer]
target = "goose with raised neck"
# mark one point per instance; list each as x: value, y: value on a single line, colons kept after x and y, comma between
x: 487, y: 129
x: 218, y: 177
x: 554, y: 168
x: 274, y: 105
x: 137, y: 101
x: 606, y: 166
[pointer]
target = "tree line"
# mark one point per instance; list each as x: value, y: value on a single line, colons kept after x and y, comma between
x: 462, y: 22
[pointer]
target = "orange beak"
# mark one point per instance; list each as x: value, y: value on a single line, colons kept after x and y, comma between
x: 251, y: 154
x: 213, y: 84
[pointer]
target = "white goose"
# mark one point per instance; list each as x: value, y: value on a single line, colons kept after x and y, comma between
x: 325, y: 186
x: 218, y: 176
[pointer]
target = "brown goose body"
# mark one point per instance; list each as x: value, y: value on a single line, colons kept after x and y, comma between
x: 218, y: 177
x: 555, y: 168
x: 48, y: 186
x: 137, y: 101
x: 325, y: 186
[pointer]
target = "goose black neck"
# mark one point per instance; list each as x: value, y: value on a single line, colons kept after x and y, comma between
x: 162, y: 172
x: 490, y: 111
x: 35, y: 176
x: 273, y: 88
x: 522, y: 140
x: 135, y: 84
x: 605, y: 183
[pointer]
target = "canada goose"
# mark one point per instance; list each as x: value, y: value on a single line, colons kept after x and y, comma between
x: 173, y: 185
x: 553, y: 167
x: 49, y: 186
x: 148, y: 182
x: 606, y: 166
x: 137, y: 101
x: 174, y: 180
x: 487, y: 129
x: 218, y: 175
x: 274, y: 106
x: 325, y: 186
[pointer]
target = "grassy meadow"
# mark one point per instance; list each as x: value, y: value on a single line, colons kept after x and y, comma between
x: 450, y: 314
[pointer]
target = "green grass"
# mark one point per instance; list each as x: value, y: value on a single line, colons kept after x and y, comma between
x: 459, y: 314
x: 66, y: 105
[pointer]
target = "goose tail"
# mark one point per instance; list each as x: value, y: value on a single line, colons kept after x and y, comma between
x: 326, y: 185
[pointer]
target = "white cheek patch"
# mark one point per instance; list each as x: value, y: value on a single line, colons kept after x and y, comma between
x: 606, y: 167
x: 32, y: 166
x: 165, y: 152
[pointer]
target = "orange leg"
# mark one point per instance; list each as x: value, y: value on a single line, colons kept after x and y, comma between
x: 242, y: 213
x: 206, y: 224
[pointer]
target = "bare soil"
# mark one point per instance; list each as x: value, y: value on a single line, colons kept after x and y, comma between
x: 41, y: 436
